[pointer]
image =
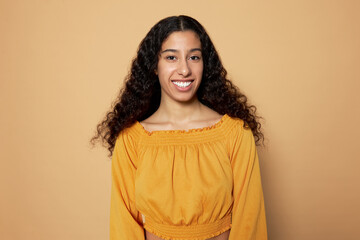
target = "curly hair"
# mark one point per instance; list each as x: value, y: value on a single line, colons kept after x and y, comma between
x: 140, y: 97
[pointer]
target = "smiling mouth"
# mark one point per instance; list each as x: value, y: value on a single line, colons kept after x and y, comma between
x: 182, y: 84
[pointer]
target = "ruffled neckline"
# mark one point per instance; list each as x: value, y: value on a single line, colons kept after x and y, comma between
x: 179, y: 131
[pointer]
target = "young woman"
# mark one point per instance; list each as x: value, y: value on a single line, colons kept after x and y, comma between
x: 182, y: 139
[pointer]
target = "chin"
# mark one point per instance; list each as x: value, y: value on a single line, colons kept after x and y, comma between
x: 185, y: 99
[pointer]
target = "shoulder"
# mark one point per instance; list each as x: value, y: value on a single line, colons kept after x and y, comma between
x: 130, y: 134
x: 240, y: 139
x: 233, y: 125
x: 237, y: 130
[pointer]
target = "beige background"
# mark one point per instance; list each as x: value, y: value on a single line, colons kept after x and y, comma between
x: 62, y: 63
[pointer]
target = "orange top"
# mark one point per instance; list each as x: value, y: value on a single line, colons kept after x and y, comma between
x: 191, y: 185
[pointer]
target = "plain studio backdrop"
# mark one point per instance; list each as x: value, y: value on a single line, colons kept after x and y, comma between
x: 63, y: 62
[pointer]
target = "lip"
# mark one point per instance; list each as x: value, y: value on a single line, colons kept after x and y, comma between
x: 182, y: 80
x: 181, y: 89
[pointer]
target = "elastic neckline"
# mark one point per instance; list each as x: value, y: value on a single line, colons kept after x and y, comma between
x: 179, y: 131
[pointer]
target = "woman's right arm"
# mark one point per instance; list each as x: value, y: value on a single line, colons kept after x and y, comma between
x: 125, y: 220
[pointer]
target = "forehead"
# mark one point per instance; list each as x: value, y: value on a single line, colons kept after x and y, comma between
x: 182, y: 40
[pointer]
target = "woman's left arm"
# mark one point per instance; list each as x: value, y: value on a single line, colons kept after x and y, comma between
x: 248, y: 215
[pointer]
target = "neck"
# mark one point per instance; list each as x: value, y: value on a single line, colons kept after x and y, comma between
x: 174, y: 111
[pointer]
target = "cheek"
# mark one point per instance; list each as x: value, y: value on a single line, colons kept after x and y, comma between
x: 164, y: 74
x: 199, y: 70
x: 164, y: 70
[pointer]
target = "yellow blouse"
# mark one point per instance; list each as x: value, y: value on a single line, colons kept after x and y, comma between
x: 191, y: 185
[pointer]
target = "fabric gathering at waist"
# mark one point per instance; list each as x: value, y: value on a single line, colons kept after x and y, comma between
x: 194, y: 232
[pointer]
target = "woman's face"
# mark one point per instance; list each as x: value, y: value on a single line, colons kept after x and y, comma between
x: 180, y: 66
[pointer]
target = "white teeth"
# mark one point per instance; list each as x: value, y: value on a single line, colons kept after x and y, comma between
x: 182, y: 84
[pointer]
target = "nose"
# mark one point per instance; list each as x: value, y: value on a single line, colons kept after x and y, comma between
x: 183, y: 68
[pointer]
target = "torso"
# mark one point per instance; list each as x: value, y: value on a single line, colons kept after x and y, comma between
x: 154, y: 124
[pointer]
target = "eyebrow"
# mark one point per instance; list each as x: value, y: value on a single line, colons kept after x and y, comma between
x: 174, y: 50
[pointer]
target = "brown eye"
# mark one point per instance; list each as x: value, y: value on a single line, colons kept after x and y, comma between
x: 195, y: 58
x: 171, y: 58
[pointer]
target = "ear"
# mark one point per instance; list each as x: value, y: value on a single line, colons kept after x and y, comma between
x: 155, y: 71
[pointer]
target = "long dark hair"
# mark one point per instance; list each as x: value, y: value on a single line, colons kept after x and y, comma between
x: 140, y: 97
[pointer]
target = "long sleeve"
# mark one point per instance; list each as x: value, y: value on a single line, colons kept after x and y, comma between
x: 125, y: 220
x: 248, y: 216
